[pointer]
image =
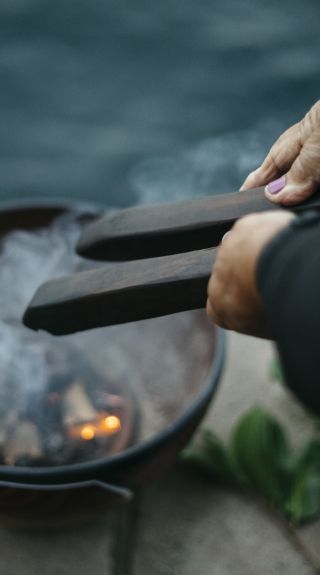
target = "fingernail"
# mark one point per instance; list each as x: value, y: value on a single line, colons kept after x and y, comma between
x: 276, y: 186
x: 225, y: 236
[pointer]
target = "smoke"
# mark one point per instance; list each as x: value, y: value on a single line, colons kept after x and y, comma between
x: 212, y: 166
x: 26, y: 260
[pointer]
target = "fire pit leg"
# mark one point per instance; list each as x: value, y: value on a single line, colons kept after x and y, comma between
x: 126, y: 527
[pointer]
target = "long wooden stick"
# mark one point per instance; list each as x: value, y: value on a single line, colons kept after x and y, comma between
x: 131, y: 291
x: 157, y: 230
x: 122, y: 292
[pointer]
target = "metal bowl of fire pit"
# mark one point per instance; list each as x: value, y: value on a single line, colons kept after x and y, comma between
x: 86, y: 419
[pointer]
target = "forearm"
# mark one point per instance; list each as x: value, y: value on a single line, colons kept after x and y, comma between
x: 289, y: 282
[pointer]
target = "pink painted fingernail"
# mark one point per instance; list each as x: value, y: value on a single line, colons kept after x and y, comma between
x: 277, y: 185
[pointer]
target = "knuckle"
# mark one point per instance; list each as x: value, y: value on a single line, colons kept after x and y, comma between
x: 218, y: 318
x: 210, y: 288
x: 269, y: 166
x: 240, y: 224
x: 209, y: 309
x: 245, y: 222
x: 311, y: 120
x: 215, y: 313
x: 291, y: 198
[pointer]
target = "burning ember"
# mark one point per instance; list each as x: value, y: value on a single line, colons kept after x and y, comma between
x: 82, y: 419
x: 74, y: 420
x: 104, y: 426
x: 57, y: 406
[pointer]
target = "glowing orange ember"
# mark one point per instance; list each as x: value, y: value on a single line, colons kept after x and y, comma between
x: 87, y: 432
x: 112, y: 423
x: 103, y: 426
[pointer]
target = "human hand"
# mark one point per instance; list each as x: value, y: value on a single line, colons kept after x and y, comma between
x: 292, y: 167
x: 234, y: 301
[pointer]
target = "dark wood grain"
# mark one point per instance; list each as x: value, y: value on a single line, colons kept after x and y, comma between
x: 122, y: 292
x: 164, y: 229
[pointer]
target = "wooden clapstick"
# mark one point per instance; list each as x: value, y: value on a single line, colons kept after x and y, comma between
x: 158, y: 230
x: 122, y: 292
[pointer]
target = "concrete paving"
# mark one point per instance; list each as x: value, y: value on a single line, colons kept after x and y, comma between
x: 186, y: 524
x: 190, y: 527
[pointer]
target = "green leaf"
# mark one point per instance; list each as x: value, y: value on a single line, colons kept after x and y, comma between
x: 209, y: 454
x: 260, y: 459
x: 310, y: 456
x: 261, y: 456
x: 304, y: 501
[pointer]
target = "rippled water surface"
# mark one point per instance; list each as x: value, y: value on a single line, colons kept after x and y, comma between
x: 134, y: 101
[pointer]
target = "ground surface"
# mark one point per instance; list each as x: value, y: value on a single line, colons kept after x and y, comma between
x: 187, y: 525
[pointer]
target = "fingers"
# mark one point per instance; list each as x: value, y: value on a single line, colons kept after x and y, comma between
x: 234, y: 301
x: 278, y: 161
x: 303, y: 178
x: 291, y: 170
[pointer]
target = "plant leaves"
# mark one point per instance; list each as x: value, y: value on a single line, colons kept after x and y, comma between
x: 261, y: 456
x: 310, y: 456
x: 303, y: 502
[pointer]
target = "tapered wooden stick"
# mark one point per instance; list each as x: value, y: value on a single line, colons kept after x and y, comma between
x: 120, y: 293
x: 157, y: 230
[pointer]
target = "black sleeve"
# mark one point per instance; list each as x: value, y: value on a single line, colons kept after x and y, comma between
x: 288, y: 278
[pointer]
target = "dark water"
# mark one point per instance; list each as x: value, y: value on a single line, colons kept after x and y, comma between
x: 132, y: 101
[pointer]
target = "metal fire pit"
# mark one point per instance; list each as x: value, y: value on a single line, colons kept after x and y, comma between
x: 182, y: 392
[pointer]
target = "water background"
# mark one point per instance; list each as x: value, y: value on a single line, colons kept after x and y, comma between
x: 133, y: 101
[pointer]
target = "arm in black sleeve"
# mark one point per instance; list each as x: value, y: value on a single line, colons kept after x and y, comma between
x: 288, y: 278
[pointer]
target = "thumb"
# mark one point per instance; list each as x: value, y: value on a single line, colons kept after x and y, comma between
x: 303, y: 178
